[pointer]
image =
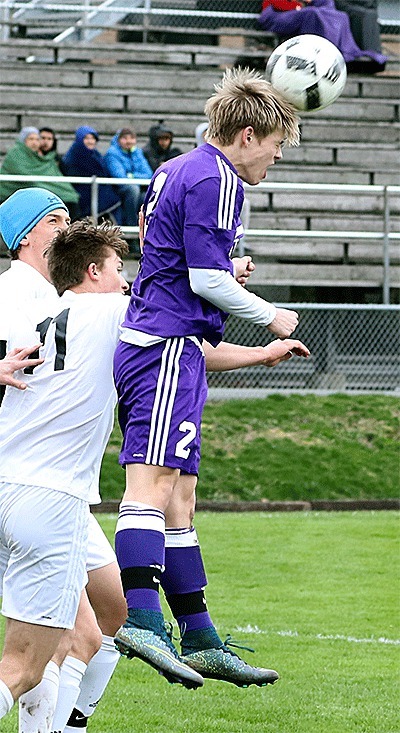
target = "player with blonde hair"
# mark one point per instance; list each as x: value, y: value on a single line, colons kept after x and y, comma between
x: 184, y: 291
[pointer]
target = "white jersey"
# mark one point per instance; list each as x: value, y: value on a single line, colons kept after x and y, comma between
x: 54, y: 433
x: 20, y: 286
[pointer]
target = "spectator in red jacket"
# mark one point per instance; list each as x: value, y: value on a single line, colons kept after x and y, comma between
x: 290, y: 18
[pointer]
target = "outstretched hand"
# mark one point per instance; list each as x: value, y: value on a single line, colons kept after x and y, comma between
x: 15, y: 360
x: 278, y: 351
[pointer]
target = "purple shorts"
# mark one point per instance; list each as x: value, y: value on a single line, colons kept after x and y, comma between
x: 161, y: 390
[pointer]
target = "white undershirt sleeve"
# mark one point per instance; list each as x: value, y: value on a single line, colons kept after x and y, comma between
x: 221, y: 289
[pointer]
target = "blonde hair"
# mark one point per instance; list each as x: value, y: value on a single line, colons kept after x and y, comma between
x: 244, y: 98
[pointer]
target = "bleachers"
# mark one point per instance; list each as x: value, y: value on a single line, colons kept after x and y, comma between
x: 355, y: 141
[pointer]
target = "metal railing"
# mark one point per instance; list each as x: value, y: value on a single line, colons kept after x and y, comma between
x: 385, y: 235
x: 148, y: 17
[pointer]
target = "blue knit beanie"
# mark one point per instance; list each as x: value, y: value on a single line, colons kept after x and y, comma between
x: 23, y: 210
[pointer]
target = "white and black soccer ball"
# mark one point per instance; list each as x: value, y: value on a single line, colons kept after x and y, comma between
x: 308, y: 70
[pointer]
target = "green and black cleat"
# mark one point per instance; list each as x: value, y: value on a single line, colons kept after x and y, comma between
x: 159, y: 652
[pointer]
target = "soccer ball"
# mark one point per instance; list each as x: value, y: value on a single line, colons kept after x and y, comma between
x: 309, y: 71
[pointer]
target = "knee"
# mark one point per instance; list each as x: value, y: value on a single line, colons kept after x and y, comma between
x: 30, y: 676
x: 64, y: 647
x: 112, y: 621
x: 165, y: 487
x: 86, y: 643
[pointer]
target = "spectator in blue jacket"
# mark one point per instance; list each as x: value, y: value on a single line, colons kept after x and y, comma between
x: 125, y: 160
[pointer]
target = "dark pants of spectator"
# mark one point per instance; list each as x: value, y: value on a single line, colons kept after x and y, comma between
x: 74, y: 210
x: 131, y: 199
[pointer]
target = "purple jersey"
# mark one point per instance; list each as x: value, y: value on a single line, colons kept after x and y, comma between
x: 192, y: 220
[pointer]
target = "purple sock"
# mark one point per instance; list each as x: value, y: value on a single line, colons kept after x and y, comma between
x: 140, y: 549
x: 184, y: 579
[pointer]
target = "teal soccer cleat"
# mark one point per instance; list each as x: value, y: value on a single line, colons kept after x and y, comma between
x: 157, y: 650
x: 223, y: 664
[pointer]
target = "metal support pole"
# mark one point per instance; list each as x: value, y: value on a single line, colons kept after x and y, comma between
x: 85, y: 20
x: 386, y: 253
x: 5, y: 27
x: 146, y: 19
x: 94, y: 199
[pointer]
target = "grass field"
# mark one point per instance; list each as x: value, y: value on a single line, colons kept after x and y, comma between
x: 296, y: 447
x: 317, y: 596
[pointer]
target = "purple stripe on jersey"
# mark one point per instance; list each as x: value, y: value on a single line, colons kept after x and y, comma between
x: 184, y: 570
x: 192, y: 214
x: 139, y: 548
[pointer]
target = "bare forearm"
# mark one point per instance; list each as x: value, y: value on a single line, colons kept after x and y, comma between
x: 233, y: 356
x: 227, y: 356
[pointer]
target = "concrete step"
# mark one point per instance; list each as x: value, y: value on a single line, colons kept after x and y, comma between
x: 105, y: 122
x: 300, y: 173
x: 321, y: 201
x: 323, y: 275
x: 317, y: 133
x: 37, y: 97
x: 320, y: 130
x: 187, y: 102
x: 320, y: 221
x: 126, y: 78
x: 156, y: 78
x: 279, y: 249
x: 189, y: 55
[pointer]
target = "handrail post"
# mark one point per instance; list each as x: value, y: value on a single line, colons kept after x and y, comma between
x: 5, y: 19
x: 386, y: 253
x: 94, y: 199
x: 146, y: 19
x: 85, y: 19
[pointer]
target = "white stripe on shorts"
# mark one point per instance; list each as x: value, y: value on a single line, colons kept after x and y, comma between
x: 167, y: 384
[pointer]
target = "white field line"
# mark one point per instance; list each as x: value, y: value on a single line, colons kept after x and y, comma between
x: 321, y: 637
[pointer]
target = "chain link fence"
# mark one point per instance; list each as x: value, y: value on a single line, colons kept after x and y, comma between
x: 147, y: 20
x: 353, y: 348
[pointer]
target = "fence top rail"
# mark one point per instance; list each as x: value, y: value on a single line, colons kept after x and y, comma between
x: 148, y: 10
x: 340, y: 306
x: 319, y: 234
x: 145, y: 9
x: 334, y: 188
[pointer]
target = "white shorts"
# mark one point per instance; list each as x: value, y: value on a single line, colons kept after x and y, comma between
x: 100, y: 553
x: 43, y: 545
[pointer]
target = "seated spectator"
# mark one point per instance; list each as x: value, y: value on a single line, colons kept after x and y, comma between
x: 24, y: 158
x: 125, y: 160
x: 159, y: 148
x: 83, y: 159
x: 289, y: 18
x: 48, y: 143
x: 364, y: 22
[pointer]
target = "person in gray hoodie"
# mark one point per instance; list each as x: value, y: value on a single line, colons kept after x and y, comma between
x: 125, y: 160
x: 159, y: 148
